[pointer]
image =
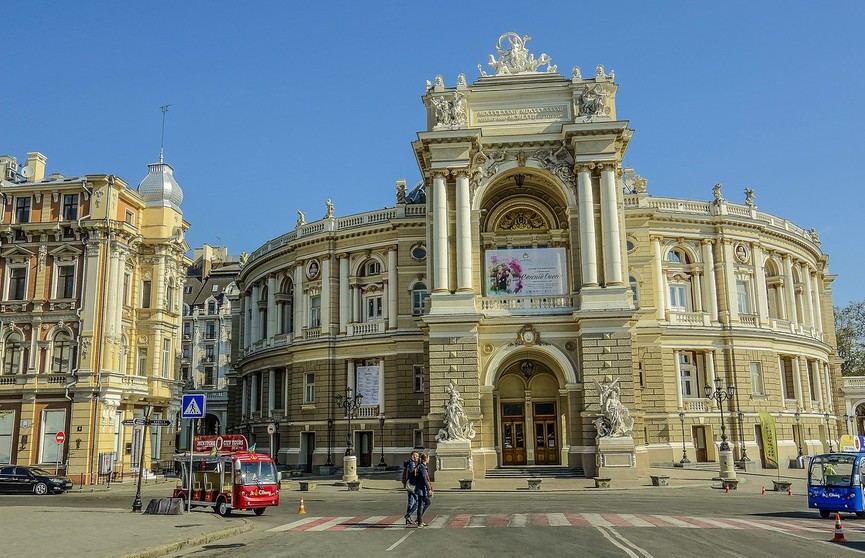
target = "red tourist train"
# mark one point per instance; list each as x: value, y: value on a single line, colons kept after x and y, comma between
x: 227, y: 475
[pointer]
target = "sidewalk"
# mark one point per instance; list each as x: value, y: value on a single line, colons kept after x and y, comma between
x: 117, y: 532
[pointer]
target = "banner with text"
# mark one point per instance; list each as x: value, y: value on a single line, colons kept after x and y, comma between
x: 368, y: 383
x: 770, y: 439
x: 527, y: 272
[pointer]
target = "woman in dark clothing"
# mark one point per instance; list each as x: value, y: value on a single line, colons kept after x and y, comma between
x: 423, y: 488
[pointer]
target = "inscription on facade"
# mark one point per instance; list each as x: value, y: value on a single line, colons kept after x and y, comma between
x: 517, y: 114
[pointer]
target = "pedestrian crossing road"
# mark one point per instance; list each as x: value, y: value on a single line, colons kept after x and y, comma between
x: 468, y: 521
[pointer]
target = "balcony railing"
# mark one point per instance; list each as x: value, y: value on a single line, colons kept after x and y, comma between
x: 364, y: 328
x: 689, y: 318
x: 492, y: 306
x: 697, y: 405
x: 312, y: 333
x: 854, y: 382
x: 366, y: 412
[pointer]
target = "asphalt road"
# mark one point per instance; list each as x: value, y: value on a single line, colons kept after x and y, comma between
x: 635, y: 523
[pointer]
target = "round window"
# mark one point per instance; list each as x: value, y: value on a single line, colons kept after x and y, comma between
x: 630, y: 246
x: 418, y: 252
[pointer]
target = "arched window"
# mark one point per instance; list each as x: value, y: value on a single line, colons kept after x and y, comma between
x: 285, y: 306
x: 632, y: 281
x: 63, y: 356
x: 678, y: 256
x: 13, y: 350
x: 418, y: 299
x: 774, y: 295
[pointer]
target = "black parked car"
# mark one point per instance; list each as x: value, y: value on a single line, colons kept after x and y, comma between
x: 18, y: 479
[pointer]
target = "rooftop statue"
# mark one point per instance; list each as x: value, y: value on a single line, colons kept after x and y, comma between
x: 457, y: 425
x: 514, y: 57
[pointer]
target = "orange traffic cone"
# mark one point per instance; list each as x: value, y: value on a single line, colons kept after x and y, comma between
x: 301, y: 510
x: 839, y: 531
x: 726, y: 488
x: 763, y: 491
x: 790, y: 491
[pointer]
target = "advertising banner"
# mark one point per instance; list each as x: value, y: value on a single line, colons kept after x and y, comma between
x: 770, y: 439
x: 526, y: 272
x: 852, y: 444
x: 368, y: 383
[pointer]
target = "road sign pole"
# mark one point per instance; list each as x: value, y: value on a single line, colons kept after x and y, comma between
x: 191, y: 449
x: 57, y: 464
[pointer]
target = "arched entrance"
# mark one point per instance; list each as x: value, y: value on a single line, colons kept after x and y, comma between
x: 210, y: 426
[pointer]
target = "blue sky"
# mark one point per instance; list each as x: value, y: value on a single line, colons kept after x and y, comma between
x: 276, y: 107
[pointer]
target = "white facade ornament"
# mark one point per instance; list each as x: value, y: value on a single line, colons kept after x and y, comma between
x: 450, y: 114
x: 633, y: 183
x: 514, y: 58
x: 615, y: 421
x: 457, y: 425
x: 557, y: 161
x: 301, y: 219
x: 461, y: 80
x: 749, y: 197
x: 716, y: 192
x: 329, y: 212
x: 576, y: 74
x: 593, y: 101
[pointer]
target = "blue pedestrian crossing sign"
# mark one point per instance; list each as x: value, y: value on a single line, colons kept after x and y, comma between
x: 192, y: 405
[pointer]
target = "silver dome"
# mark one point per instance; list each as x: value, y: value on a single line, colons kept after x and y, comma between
x: 159, y: 187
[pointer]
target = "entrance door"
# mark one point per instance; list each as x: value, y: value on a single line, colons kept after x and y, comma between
x: 700, y: 444
x: 307, y: 443
x: 513, y: 434
x: 546, y: 440
x: 364, y: 449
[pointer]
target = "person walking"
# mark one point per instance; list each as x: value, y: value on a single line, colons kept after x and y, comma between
x: 409, y: 471
x: 423, y: 488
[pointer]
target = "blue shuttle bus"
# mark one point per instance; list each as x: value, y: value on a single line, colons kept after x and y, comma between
x: 835, y: 482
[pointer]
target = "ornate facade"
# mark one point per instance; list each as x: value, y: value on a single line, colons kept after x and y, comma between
x: 533, y: 275
x: 92, y: 272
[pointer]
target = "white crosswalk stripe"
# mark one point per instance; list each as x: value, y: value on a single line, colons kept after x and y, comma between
x: 558, y: 519
x: 634, y: 520
x: 328, y: 524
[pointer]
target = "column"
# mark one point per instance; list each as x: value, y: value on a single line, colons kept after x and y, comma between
x: 610, y: 225
x: 272, y: 314
x: 797, y: 381
x: 111, y: 288
x: 817, y: 375
x: 808, y: 307
x: 760, y: 283
x: 352, y: 377
x: 285, y: 393
x: 789, y: 288
x: 697, y: 282
x: 271, y: 391
x: 392, y: 285
x: 298, y: 301
x: 679, y: 402
x: 730, y: 274
x: 344, y: 296
x: 660, y: 281
x: 253, y: 400
x: 803, y: 371
x: 244, y: 397
x: 588, y: 242
x: 325, y: 294
x: 357, y: 304
x: 247, y: 322
x: 710, y: 289
x: 818, y: 311
x: 256, y: 315
x: 710, y: 368
x: 827, y: 378
x: 440, y: 229
x: 464, y: 233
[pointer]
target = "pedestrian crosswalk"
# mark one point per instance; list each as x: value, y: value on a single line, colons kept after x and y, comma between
x: 615, y: 520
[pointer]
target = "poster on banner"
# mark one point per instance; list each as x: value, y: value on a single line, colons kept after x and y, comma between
x: 368, y: 383
x: 770, y: 439
x: 526, y: 272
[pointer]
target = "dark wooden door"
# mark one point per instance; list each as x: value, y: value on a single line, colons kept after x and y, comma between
x: 364, y: 449
x: 546, y: 439
x: 513, y: 441
x: 700, y: 444
x: 310, y: 450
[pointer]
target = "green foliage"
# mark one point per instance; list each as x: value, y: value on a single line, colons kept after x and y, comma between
x: 850, y: 334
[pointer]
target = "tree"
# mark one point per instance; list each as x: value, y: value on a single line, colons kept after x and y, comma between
x: 850, y: 335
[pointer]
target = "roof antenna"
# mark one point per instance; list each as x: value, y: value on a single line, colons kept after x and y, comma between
x: 162, y: 138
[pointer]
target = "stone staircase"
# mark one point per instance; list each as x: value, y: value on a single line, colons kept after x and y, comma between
x: 537, y: 471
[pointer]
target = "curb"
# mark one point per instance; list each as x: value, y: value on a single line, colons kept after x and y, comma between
x: 168, y: 548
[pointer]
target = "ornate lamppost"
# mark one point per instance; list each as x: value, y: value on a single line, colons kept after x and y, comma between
x: 329, y: 462
x: 381, y: 462
x: 828, y: 432
x: 136, y: 504
x: 798, y: 416
x: 741, y: 416
x: 350, y: 404
x: 684, y: 452
x: 725, y: 453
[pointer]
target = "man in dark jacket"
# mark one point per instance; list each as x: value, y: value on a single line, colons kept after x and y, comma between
x: 408, y: 482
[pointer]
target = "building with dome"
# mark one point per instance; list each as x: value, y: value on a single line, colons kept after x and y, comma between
x: 535, y: 285
x: 92, y: 275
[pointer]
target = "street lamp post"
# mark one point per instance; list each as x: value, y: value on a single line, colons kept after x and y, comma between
x: 350, y: 404
x: 136, y: 504
x: 847, y: 423
x: 741, y: 416
x: 684, y: 453
x: 724, y: 451
x: 798, y: 416
x: 329, y: 462
x: 828, y: 432
x: 381, y: 462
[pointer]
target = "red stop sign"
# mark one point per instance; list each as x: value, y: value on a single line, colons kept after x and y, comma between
x: 60, y: 437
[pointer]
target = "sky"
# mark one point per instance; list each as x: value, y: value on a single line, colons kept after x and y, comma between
x: 278, y: 106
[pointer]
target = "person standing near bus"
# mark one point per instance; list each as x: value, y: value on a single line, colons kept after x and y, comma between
x: 409, y: 472
x: 423, y: 488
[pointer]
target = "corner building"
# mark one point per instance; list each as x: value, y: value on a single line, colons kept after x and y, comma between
x: 528, y: 267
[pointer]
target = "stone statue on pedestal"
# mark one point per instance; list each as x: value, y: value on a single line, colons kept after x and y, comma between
x: 457, y: 425
x: 616, y: 420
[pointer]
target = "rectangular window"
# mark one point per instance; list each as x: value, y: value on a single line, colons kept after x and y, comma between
x: 315, y: 311
x: 184, y: 373
x: 127, y: 279
x: 7, y: 423
x: 373, y: 268
x: 53, y: 421
x: 418, y: 439
x: 185, y: 350
x: 130, y: 218
x: 65, y: 281
x: 787, y: 371
x: 209, y: 353
x: 688, y: 371
x: 809, y: 369
x: 309, y: 388
x: 208, y: 376
x: 678, y: 298
x: 742, y: 299
x: 418, y: 379
x: 166, y: 358
x: 210, y: 330
x: 373, y: 308
x: 418, y: 299
x: 756, y: 379
x: 22, y: 210
x: 70, y: 207
x: 141, y: 369
x: 18, y: 283
x: 187, y: 329
x: 145, y: 294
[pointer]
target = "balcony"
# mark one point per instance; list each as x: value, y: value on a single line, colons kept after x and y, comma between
x: 525, y: 305
x: 689, y: 318
x: 366, y: 412
x: 312, y: 333
x: 852, y: 384
x: 695, y: 405
x: 369, y: 328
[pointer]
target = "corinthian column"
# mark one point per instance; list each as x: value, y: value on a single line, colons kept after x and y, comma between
x: 789, y: 288
x: 710, y: 294
x: 610, y: 224
x: 440, y: 234
x: 658, y: 276
x: 588, y: 242
x: 325, y: 294
x: 298, y: 301
x: 808, y: 307
x: 391, y: 289
x: 760, y: 281
x: 730, y: 274
x: 343, y: 292
x: 464, y: 232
